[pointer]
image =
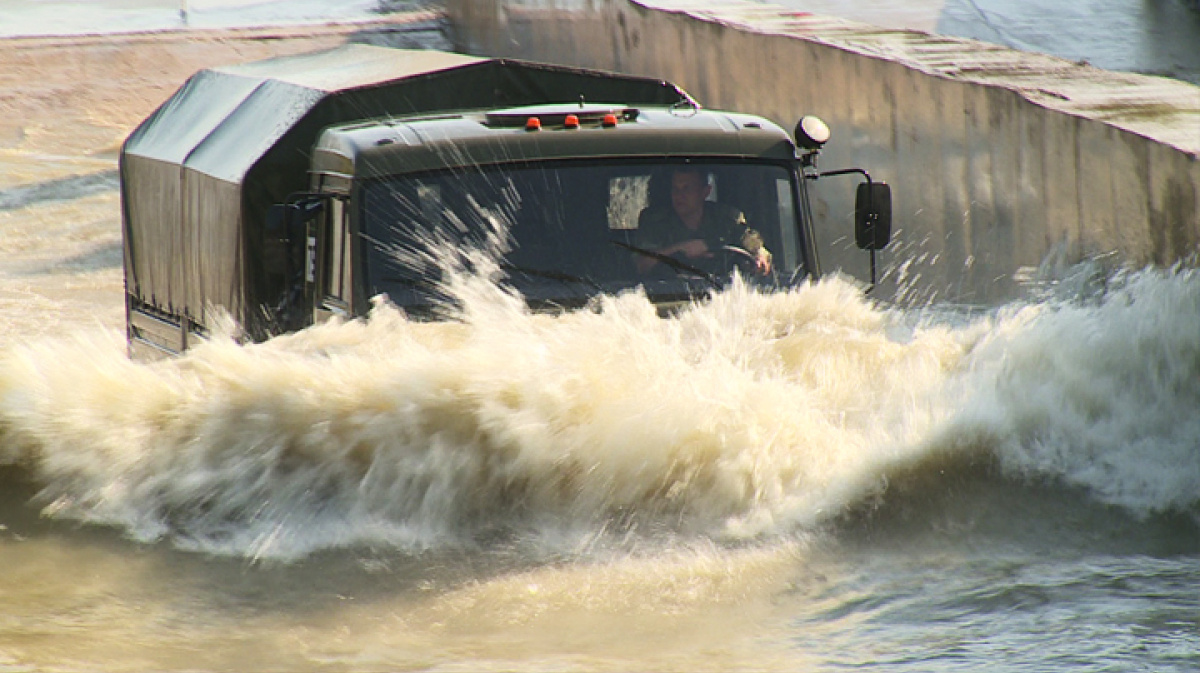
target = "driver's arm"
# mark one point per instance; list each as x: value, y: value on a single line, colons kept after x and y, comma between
x: 752, y: 242
x: 749, y: 239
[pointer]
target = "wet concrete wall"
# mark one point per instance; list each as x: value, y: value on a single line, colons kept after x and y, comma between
x: 1004, y: 165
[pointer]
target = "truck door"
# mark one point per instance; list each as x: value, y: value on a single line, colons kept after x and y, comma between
x: 333, y: 257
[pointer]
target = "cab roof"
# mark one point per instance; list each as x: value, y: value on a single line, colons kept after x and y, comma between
x: 545, y: 132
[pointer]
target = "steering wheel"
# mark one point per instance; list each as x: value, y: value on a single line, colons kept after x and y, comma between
x: 734, y: 257
x: 746, y: 263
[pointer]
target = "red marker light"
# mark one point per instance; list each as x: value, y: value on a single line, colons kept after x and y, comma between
x: 533, y: 124
x: 610, y: 120
x: 571, y: 122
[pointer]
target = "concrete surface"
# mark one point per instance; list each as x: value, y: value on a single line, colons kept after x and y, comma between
x: 1151, y: 37
x: 65, y: 95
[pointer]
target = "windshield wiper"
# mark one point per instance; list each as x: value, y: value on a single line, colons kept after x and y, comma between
x: 552, y: 275
x: 678, y: 266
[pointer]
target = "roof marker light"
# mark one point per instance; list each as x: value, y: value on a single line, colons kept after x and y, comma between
x: 571, y: 122
x: 610, y: 120
x: 533, y: 124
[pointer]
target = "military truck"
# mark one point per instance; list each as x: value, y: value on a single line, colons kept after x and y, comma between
x: 288, y: 191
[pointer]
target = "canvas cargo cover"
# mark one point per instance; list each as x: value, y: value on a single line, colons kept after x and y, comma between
x: 199, y: 174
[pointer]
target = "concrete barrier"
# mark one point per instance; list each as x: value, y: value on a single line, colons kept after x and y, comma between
x: 1001, y: 161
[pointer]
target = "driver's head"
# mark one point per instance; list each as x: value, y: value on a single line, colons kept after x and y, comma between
x: 689, y: 189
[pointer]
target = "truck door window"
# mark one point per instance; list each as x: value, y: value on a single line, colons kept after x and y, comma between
x: 787, y: 215
x: 337, y: 254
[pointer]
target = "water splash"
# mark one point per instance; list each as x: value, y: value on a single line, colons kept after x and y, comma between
x: 1101, y: 394
x: 749, y: 415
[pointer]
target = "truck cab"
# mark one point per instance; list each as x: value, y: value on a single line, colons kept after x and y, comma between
x: 553, y: 193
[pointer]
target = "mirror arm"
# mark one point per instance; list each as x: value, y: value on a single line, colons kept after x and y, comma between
x: 873, y: 276
x: 851, y: 171
x: 845, y: 171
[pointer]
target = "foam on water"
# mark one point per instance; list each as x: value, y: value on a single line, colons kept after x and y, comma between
x: 751, y: 415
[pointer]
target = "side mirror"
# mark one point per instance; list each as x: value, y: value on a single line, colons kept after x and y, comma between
x: 284, y: 232
x: 873, y: 215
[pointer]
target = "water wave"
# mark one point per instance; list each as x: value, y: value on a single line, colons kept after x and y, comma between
x: 749, y: 415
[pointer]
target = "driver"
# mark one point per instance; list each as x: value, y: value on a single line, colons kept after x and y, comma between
x: 694, y: 228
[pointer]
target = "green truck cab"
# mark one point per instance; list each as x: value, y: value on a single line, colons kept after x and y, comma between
x: 289, y: 191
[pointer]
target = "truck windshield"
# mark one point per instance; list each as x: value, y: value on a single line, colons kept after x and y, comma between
x: 563, y: 232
